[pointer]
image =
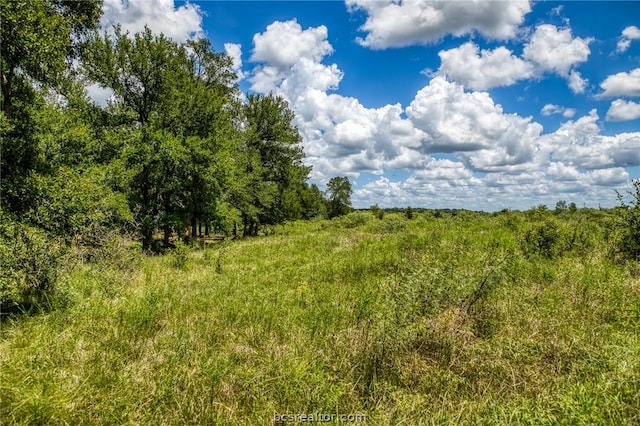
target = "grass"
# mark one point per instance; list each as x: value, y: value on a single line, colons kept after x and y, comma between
x: 428, y: 321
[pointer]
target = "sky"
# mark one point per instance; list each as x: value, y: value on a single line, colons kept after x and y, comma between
x: 483, y: 105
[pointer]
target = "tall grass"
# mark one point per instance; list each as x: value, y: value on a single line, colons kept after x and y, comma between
x: 422, y: 321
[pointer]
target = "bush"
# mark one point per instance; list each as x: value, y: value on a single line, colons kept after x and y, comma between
x: 352, y: 220
x: 77, y: 204
x: 377, y: 212
x: 29, y: 262
x: 179, y: 255
x: 628, y: 245
x: 543, y: 239
x: 390, y: 224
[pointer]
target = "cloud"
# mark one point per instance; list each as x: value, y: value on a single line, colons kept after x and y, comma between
x: 549, y: 50
x: 556, y: 50
x: 577, y: 84
x: 396, y: 24
x: 609, y: 177
x: 98, y: 94
x: 234, y: 51
x: 284, y: 43
x: 562, y: 172
x: 621, y: 110
x: 180, y: 24
x: 556, y: 11
x: 621, y: 84
x: 340, y: 134
x: 628, y: 34
x: 550, y: 109
x: 482, y: 70
x: 495, y: 159
x: 473, y: 125
x: 283, y: 46
x: 580, y: 143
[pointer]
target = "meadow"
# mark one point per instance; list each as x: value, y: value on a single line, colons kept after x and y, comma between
x: 472, y: 318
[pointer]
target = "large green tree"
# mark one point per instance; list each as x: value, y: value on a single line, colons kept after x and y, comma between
x: 271, y: 169
x: 178, y: 100
x: 339, y: 196
x: 39, y: 39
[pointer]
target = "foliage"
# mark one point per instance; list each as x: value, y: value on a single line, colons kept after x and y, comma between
x: 179, y: 254
x: 29, y: 262
x: 445, y: 317
x: 408, y: 213
x: 39, y: 40
x: 339, y: 196
x: 542, y: 238
x: 270, y: 175
x: 76, y: 204
x: 354, y: 219
x: 629, y: 224
x: 377, y: 212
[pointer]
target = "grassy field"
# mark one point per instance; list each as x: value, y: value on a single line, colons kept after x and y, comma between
x: 472, y: 319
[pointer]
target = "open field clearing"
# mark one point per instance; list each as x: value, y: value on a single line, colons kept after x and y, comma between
x: 423, y: 321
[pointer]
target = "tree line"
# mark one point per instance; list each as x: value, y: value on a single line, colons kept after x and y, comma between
x: 178, y: 147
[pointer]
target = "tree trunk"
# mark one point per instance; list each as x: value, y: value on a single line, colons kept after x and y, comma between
x: 194, y: 222
x: 147, y: 240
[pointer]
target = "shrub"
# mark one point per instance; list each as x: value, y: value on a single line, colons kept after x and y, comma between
x: 408, y: 213
x: 352, y: 220
x: 77, y: 204
x: 543, y: 239
x: 180, y: 254
x: 629, y: 223
x: 390, y: 224
x: 29, y: 262
x: 377, y: 212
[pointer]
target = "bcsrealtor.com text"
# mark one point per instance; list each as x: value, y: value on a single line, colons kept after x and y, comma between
x: 318, y: 417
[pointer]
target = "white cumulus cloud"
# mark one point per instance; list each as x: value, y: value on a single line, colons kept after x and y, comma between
x: 554, y: 49
x: 621, y: 110
x: 396, y: 24
x: 621, y: 84
x: 161, y: 16
x: 577, y: 84
x: 473, y: 125
x: 482, y: 70
x: 340, y: 135
x: 549, y: 50
x: 550, y: 109
x: 628, y: 34
x: 493, y: 157
x: 581, y: 144
x: 234, y: 51
x: 284, y: 43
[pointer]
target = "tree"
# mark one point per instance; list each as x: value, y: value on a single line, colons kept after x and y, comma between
x: 314, y: 205
x: 142, y: 72
x: 270, y: 165
x: 38, y: 41
x: 339, y: 196
x: 177, y: 100
x: 408, y: 213
x: 561, y: 206
x: 629, y: 223
x: 377, y: 212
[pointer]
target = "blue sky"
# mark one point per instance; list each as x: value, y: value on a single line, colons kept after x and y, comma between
x: 482, y: 105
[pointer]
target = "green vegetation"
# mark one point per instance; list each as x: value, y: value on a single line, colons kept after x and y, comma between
x: 115, y: 310
x: 464, y: 319
x: 176, y: 154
